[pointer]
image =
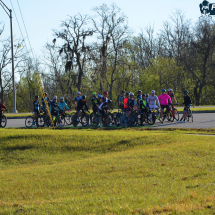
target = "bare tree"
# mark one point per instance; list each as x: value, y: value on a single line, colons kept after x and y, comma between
x: 75, y: 32
x: 112, y: 33
x: 20, y: 57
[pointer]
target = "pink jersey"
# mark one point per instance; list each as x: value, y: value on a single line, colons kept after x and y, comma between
x: 164, y: 99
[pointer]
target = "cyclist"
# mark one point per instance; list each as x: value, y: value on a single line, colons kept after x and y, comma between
x: 2, y: 106
x: 95, y: 102
x: 152, y: 100
x: 103, y: 108
x: 77, y: 99
x: 82, y: 104
x: 187, y: 103
x: 36, y: 108
x: 143, y: 104
x: 165, y: 101
x: 147, y: 95
x: 125, y: 101
x: 62, y: 104
x: 54, y: 109
x: 131, y: 104
x: 43, y: 103
x: 139, y: 96
x: 121, y: 106
x: 104, y: 98
x: 171, y: 95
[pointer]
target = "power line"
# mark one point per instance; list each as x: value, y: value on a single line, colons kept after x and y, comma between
x: 18, y: 24
x: 3, y: 5
x: 26, y: 33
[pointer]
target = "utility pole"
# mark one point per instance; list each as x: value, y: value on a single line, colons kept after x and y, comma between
x: 12, y: 53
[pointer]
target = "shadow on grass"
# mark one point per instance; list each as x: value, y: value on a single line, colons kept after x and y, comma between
x: 20, y: 148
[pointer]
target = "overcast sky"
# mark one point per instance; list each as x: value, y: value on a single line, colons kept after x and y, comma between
x: 41, y: 17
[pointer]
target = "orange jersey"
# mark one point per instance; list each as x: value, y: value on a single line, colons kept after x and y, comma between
x: 125, y: 102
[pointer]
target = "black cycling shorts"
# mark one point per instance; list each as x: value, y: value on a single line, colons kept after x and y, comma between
x: 186, y: 108
x: 95, y: 110
x: 101, y: 112
x: 144, y: 110
x: 165, y: 106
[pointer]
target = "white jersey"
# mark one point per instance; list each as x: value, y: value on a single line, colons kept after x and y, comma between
x: 152, y: 100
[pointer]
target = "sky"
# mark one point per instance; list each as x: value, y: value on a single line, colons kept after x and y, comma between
x: 41, y: 17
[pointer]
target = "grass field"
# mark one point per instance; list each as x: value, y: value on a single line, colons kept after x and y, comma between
x: 130, y: 171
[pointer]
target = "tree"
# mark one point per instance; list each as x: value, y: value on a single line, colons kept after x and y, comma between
x: 112, y: 33
x: 74, y: 32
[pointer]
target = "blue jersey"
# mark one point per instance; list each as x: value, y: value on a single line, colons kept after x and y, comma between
x: 77, y: 99
x: 36, y: 106
x: 43, y: 103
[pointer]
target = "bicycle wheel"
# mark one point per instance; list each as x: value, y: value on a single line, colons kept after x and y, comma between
x: 176, y: 115
x: 122, y: 121
x: 111, y: 118
x: 60, y: 121
x: 154, y: 117
x: 95, y: 120
x: 141, y: 119
x: 85, y: 120
x: 117, y: 119
x: 29, y: 121
x: 132, y: 121
x: 3, y: 122
x: 74, y: 120
x: 105, y: 120
x: 41, y: 121
x: 169, y: 117
x: 68, y: 119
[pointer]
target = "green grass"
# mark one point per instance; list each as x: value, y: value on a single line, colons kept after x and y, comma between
x: 130, y: 171
x: 198, y: 109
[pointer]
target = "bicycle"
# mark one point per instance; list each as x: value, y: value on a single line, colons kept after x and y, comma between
x: 189, y: 115
x: 107, y: 119
x: 154, y: 116
x: 143, y: 118
x: 39, y: 122
x: 83, y: 119
x: 167, y: 114
x: 174, y: 112
x: 3, y: 122
x: 131, y: 121
x: 116, y: 117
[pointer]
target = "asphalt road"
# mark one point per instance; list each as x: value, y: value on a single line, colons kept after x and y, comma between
x: 204, y: 120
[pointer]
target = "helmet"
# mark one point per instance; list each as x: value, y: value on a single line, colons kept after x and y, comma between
x: 131, y: 94
x: 94, y: 93
x: 170, y: 90
x: 83, y: 97
x: 127, y: 94
x: 36, y: 97
x: 163, y: 90
x: 147, y: 94
x: 78, y: 93
x: 105, y: 93
x: 54, y: 97
x: 123, y: 91
x: 153, y: 91
x: 99, y: 96
x: 45, y: 94
x: 109, y: 101
x: 61, y: 98
x: 185, y: 92
x: 139, y: 91
x: 143, y: 95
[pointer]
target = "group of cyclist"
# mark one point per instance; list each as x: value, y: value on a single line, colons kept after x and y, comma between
x: 146, y: 103
x: 101, y: 104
